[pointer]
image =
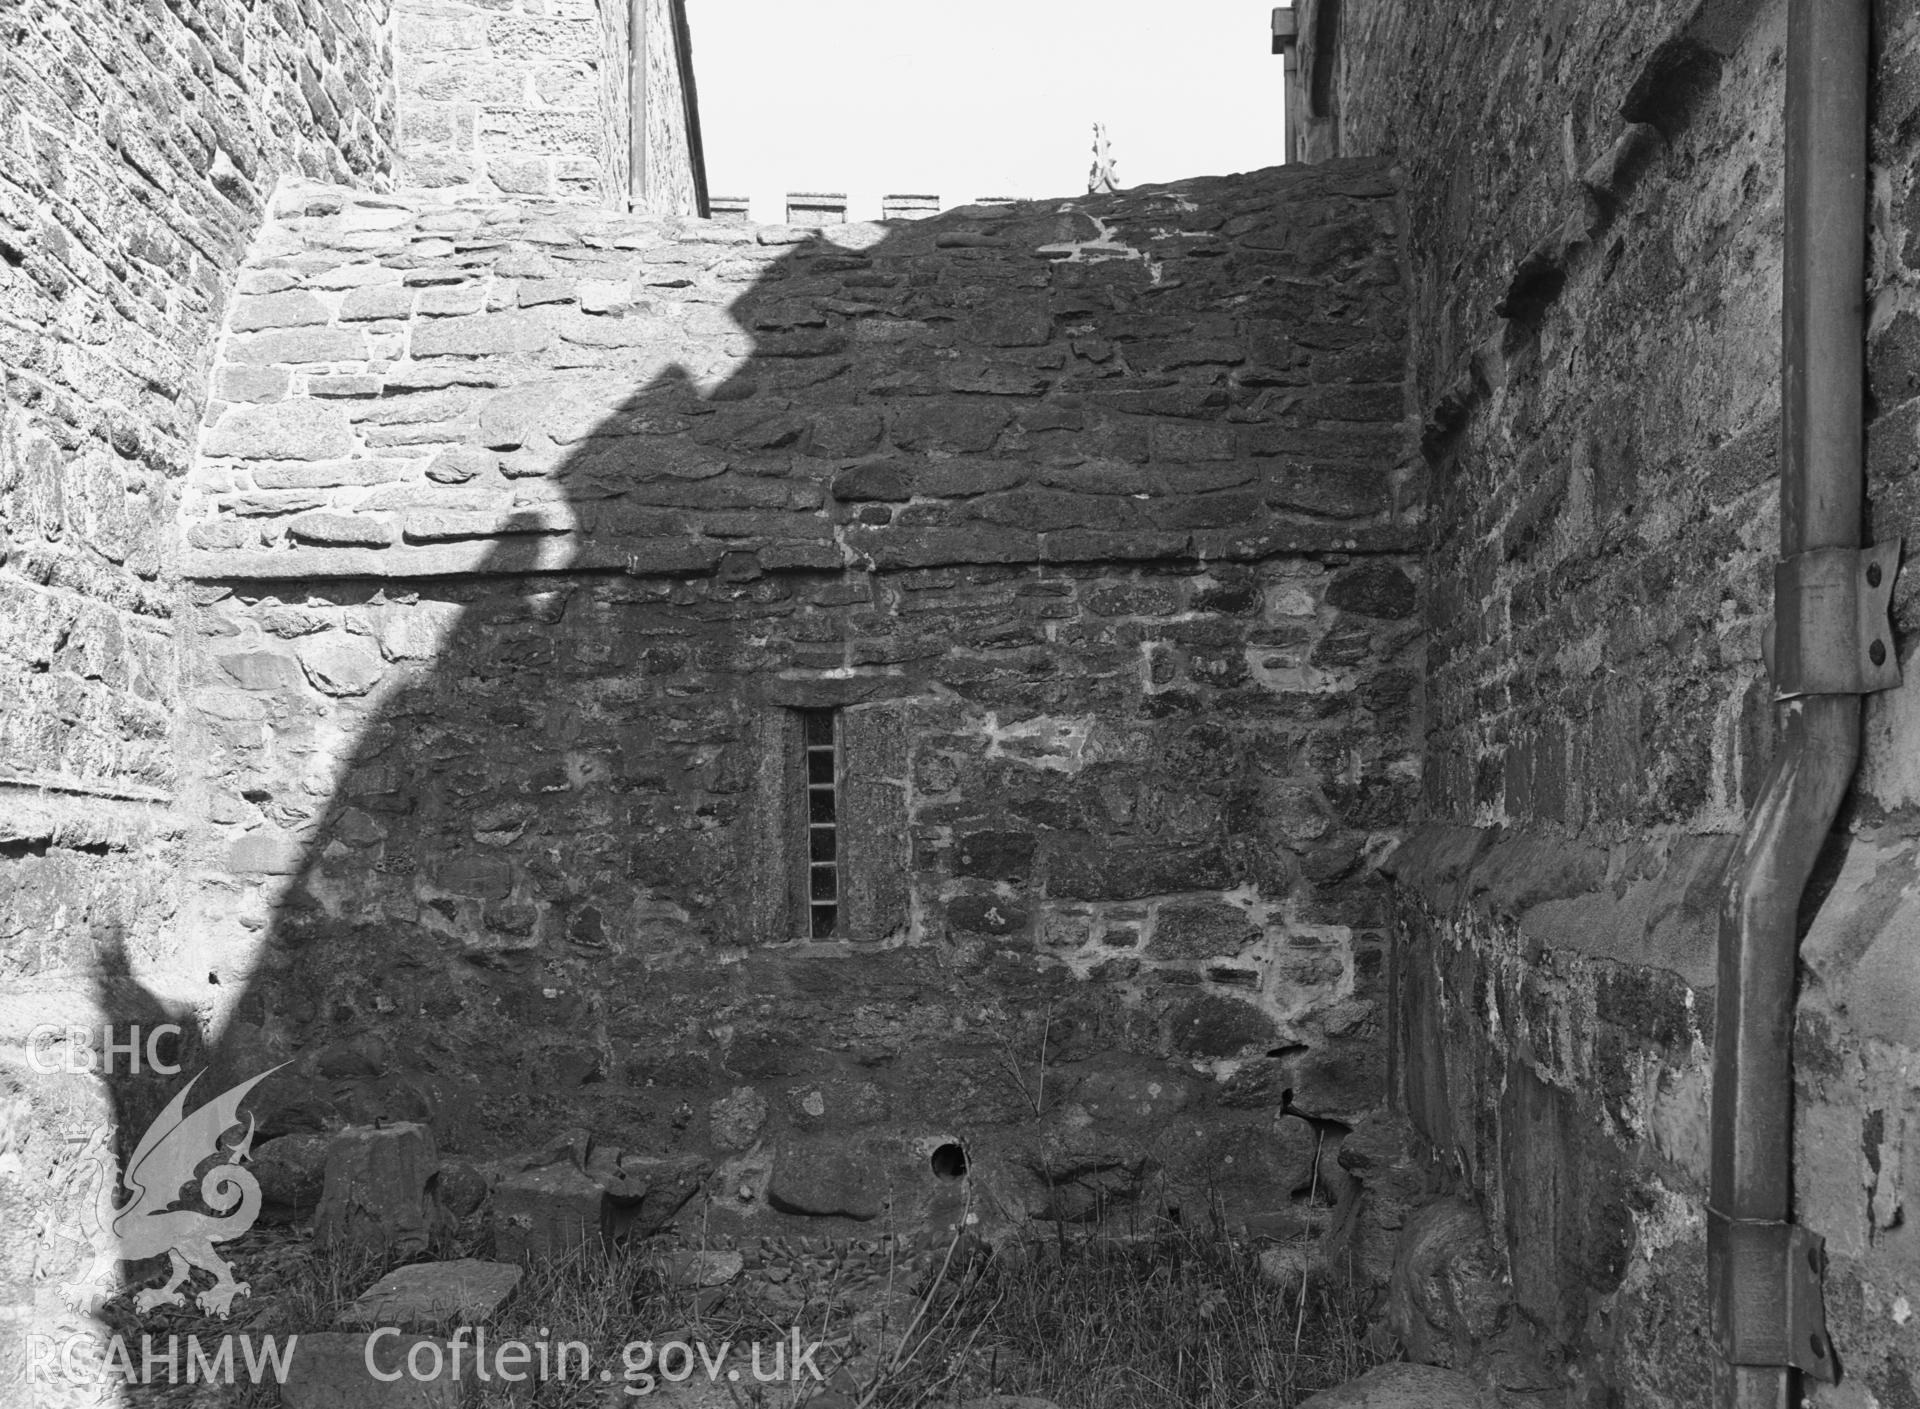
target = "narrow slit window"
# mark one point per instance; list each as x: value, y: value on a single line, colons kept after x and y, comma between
x: 820, y: 759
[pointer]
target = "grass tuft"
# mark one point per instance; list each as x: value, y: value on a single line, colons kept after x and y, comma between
x: 1177, y: 1318
x: 1182, y: 1320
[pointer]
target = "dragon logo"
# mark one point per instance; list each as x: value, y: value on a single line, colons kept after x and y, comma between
x: 173, y: 1148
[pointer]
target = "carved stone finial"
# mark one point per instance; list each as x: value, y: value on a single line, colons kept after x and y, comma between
x: 1100, y: 179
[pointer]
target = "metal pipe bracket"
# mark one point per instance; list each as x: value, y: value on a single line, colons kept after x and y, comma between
x: 1765, y: 1293
x: 1832, y: 633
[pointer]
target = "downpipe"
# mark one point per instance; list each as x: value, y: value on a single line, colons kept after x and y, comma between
x: 1830, y: 646
x: 1764, y: 1271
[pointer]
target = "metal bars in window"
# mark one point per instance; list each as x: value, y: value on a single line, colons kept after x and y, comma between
x: 820, y: 770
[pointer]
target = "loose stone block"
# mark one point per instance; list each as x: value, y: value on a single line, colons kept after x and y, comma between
x: 376, y: 1192
x: 547, y: 1213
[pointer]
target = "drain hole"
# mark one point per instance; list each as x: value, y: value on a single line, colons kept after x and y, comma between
x: 949, y: 1161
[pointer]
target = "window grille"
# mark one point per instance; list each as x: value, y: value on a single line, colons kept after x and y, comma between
x: 820, y: 772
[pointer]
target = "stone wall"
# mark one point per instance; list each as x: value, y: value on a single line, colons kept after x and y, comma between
x: 675, y: 166
x: 616, y: 104
x: 1594, y: 232
x: 519, y: 536
x: 1857, y: 1041
x: 138, y: 148
x: 510, y: 97
x: 533, y: 98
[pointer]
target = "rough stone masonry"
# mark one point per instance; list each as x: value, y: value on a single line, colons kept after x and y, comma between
x: 523, y: 546
x: 417, y: 605
x: 1594, y: 217
x: 139, y: 147
x: 139, y: 158
x: 521, y: 540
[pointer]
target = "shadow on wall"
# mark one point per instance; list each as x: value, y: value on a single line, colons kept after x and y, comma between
x: 1075, y: 529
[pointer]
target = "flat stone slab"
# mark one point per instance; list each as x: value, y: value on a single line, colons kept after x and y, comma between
x: 428, y: 1293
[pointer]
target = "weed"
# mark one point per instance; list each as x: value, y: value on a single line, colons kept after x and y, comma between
x: 1015, y: 1070
x: 1181, y: 1320
x: 1176, y: 1317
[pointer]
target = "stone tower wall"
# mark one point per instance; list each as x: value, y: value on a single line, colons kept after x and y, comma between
x: 1595, y: 276
x: 137, y: 154
x: 533, y: 99
x: 139, y: 147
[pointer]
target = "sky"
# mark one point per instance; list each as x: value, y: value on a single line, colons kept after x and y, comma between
x: 985, y: 98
